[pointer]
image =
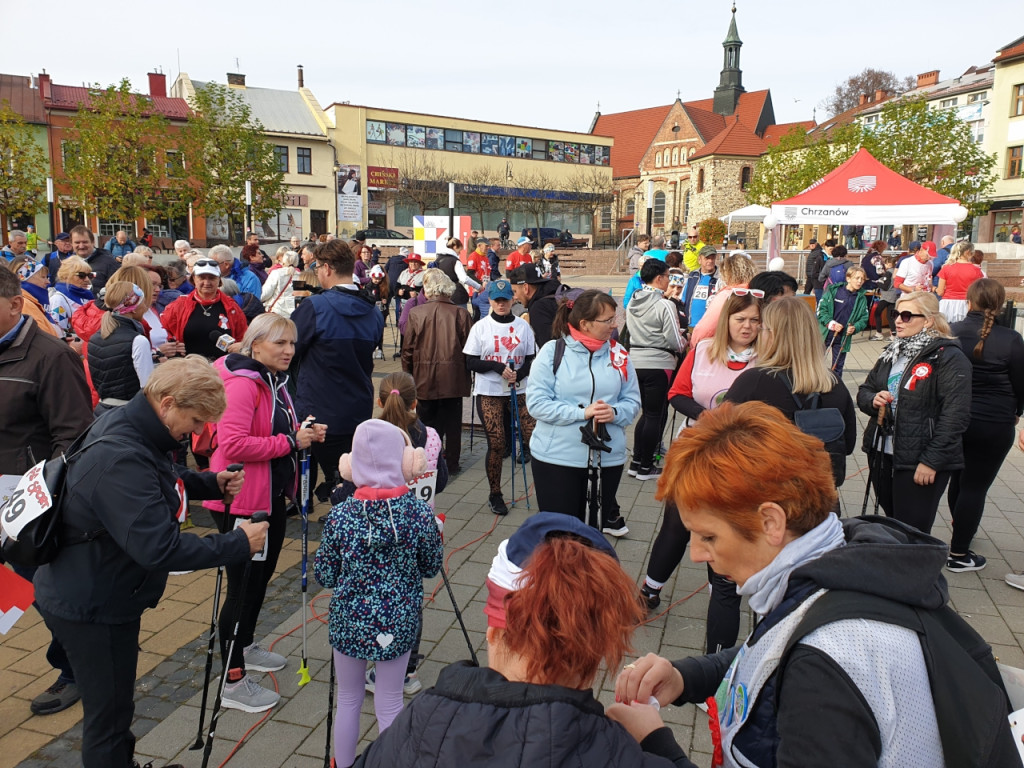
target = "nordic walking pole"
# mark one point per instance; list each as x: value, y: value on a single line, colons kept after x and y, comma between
x: 257, y: 517
x: 213, y: 631
x: 330, y: 714
x: 517, y: 427
x: 879, y: 446
x: 304, y: 666
x: 458, y: 615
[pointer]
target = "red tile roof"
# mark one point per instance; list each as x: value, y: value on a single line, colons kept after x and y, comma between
x: 773, y: 133
x: 1012, y: 51
x: 736, y: 139
x: 23, y: 98
x: 71, y: 96
x: 708, y: 124
x: 633, y: 132
x: 748, y: 109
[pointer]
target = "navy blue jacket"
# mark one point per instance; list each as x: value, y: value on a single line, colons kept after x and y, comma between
x: 337, y: 333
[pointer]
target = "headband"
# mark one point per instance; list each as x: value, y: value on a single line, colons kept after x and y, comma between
x: 130, y: 303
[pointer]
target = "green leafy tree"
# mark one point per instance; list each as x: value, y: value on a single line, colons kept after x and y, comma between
x: 114, y: 162
x: 224, y: 147
x: 23, y: 167
x: 798, y: 161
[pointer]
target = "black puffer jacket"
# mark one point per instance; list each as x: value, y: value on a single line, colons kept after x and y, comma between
x: 997, y: 384
x: 110, y: 361
x: 931, y: 417
x: 475, y: 717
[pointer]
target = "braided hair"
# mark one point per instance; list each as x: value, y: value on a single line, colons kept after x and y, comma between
x: 986, y: 296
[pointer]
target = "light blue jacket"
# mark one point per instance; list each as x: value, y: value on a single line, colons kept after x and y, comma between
x: 557, y: 402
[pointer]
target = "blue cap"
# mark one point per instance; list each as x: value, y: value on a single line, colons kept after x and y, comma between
x: 499, y: 289
x: 540, y: 526
x: 523, y: 241
x: 914, y: 245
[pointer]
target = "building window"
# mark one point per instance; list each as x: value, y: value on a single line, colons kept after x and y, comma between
x: 1017, y: 101
x: 947, y: 103
x: 175, y: 163
x: 700, y: 180
x: 1014, y: 156
x: 281, y: 155
x: 686, y: 207
x: 659, y: 209
x: 630, y: 208
x: 110, y: 227
x: 657, y: 159
x: 975, y: 97
x: 304, y: 160
x: 675, y: 156
x: 745, y: 177
x: 977, y: 130
x: 870, y: 119
x: 606, y: 217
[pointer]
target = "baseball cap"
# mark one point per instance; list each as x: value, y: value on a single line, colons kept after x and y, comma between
x: 206, y: 267
x: 813, y: 241
x: 528, y: 274
x: 915, y: 245
x: 549, y: 248
x: 482, y: 241
x: 403, y: 251
x: 707, y: 251
x: 523, y: 241
x: 499, y: 289
x: 63, y: 236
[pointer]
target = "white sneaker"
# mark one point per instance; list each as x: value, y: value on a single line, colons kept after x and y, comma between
x: 261, y: 660
x: 249, y: 696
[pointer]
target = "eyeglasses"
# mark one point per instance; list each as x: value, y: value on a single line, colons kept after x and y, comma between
x: 905, y: 316
x: 606, y: 321
x: 84, y: 275
x: 691, y: 237
x: 207, y: 263
x: 755, y: 292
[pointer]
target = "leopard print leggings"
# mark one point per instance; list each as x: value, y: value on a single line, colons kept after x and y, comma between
x: 492, y: 410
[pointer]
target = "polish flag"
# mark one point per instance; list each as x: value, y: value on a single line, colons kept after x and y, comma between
x: 16, y: 595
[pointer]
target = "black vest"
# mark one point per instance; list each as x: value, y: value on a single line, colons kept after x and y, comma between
x: 446, y: 264
x: 110, y: 361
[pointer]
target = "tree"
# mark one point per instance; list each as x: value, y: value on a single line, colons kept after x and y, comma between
x: 224, y: 147
x: 847, y: 93
x: 423, y: 183
x: 114, y: 158
x: 531, y: 197
x: 23, y: 167
x: 711, y: 231
x: 589, y: 189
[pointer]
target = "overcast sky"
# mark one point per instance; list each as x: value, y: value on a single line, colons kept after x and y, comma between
x: 531, y: 62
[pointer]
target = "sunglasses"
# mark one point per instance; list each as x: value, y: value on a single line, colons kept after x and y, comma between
x: 84, y: 275
x: 906, y: 316
x: 207, y: 263
x: 691, y: 237
x: 755, y: 292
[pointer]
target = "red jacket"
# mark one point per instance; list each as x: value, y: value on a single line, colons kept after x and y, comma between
x: 177, y: 313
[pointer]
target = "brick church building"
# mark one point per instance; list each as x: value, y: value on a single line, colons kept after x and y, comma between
x: 700, y: 155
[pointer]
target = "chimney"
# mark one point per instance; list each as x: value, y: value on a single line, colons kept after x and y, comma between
x: 300, y: 77
x: 928, y: 78
x: 864, y: 99
x: 881, y: 95
x: 45, y: 90
x: 157, y: 85
x: 236, y: 79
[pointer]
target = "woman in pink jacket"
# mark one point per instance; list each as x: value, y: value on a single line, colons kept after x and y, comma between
x: 260, y: 430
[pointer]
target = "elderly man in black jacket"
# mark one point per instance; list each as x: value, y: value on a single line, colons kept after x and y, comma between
x: 538, y: 295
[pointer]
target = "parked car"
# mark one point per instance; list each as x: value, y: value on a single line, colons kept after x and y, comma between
x: 362, y: 235
x: 560, y: 238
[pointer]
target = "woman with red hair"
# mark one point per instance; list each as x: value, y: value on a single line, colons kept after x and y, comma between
x: 853, y: 691
x: 559, y: 606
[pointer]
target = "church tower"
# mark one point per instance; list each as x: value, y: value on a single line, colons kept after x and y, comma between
x: 727, y: 94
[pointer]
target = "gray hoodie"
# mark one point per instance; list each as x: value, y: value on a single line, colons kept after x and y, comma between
x: 654, y: 338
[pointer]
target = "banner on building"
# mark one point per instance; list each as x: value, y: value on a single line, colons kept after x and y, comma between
x: 350, y: 194
x: 286, y: 225
x: 381, y: 178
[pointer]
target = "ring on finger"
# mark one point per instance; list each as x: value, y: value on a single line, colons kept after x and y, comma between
x: 630, y: 666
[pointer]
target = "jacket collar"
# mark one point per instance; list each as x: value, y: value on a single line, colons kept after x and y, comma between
x: 18, y: 348
x: 140, y: 413
x: 462, y: 681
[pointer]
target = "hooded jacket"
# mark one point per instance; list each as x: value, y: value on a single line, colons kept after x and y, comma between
x: 858, y: 317
x: 475, y: 717
x: 542, y: 308
x: 930, y: 417
x: 557, y: 401
x: 130, y: 491
x: 245, y: 433
x: 832, y: 673
x: 653, y: 323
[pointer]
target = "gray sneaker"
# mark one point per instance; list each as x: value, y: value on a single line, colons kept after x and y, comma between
x: 261, y: 660
x: 1015, y: 580
x: 249, y: 696
x: 54, y: 699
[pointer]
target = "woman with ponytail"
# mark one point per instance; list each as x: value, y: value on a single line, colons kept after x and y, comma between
x: 120, y: 356
x: 997, y: 383
x: 559, y: 609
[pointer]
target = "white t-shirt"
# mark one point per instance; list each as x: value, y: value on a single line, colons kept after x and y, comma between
x: 494, y: 341
x: 914, y: 273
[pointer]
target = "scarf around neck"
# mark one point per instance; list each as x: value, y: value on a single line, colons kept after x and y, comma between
x: 741, y: 357
x: 38, y: 293
x: 767, y: 587
x: 589, y: 342
x: 76, y: 294
x: 909, y: 347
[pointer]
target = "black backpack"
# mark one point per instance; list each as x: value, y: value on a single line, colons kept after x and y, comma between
x: 826, y: 424
x: 40, y: 540
x: 971, y: 705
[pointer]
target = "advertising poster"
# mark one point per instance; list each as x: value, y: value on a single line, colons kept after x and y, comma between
x: 350, y: 199
x: 396, y: 134
x: 286, y: 225
x: 375, y: 131
x: 507, y: 146
x: 471, y: 142
x: 489, y: 143
x: 524, y: 147
x: 435, y: 138
x: 431, y: 233
x: 416, y: 136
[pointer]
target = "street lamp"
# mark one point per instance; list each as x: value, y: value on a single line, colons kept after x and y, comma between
x: 451, y: 209
x: 248, y: 206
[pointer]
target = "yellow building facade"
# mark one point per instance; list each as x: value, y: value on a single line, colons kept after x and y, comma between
x: 1005, y: 138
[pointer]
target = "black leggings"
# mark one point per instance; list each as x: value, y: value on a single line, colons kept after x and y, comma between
x: 256, y: 590
x: 885, y: 306
x: 903, y: 499
x: 564, y: 489
x: 654, y: 404
x: 493, y: 411
x: 445, y: 416
x: 985, y: 447
x: 723, y: 623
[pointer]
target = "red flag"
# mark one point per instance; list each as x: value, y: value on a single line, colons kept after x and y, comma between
x: 16, y: 595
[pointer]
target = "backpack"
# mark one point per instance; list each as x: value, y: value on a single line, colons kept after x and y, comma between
x: 250, y: 305
x: 837, y: 274
x: 37, y: 541
x: 826, y: 424
x: 971, y: 704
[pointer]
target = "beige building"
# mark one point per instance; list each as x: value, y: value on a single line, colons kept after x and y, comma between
x: 1004, y: 138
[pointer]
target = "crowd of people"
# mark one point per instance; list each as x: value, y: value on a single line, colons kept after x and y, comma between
x: 128, y: 367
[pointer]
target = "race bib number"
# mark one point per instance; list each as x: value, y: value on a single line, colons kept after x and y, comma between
x: 425, y: 485
x: 28, y: 501
x: 700, y: 293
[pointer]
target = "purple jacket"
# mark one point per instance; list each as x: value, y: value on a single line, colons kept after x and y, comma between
x: 421, y: 298
x: 361, y: 272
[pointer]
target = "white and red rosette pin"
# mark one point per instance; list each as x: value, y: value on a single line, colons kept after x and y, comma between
x: 920, y: 372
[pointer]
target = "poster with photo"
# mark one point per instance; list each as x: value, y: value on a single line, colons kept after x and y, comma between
x: 571, y: 152
x: 489, y: 143
x: 375, y: 132
x: 555, y: 151
x: 586, y: 154
x: 396, y: 134
x: 602, y: 155
x: 435, y: 138
x: 471, y: 142
x: 507, y: 146
x: 524, y: 147
x: 216, y: 228
x: 416, y: 136
x: 349, y: 180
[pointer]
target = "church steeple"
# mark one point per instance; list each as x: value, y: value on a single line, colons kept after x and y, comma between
x: 730, y: 86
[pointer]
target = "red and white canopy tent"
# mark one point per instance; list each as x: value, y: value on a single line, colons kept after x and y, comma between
x: 864, y: 191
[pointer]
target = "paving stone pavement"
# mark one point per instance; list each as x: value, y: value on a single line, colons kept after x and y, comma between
x: 293, y: 734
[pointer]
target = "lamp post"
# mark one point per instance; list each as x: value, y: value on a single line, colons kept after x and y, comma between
x: 451, y: 209
x: 248, y: 206
x: 54, y: 229
x: 650, y: 205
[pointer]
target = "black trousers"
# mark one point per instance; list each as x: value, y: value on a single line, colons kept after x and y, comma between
x: 654, y: 407
x: 903, y: 499
x: 564, y: 489
x: 985, y: 447
x: 251, y: 599
x: 723, y: 624
x: 445, y: 416
x: 105, y: 658
x: 326, y: 454
x: 56, y: 656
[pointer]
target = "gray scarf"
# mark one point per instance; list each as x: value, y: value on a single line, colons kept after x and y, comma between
x: 909, y: 347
